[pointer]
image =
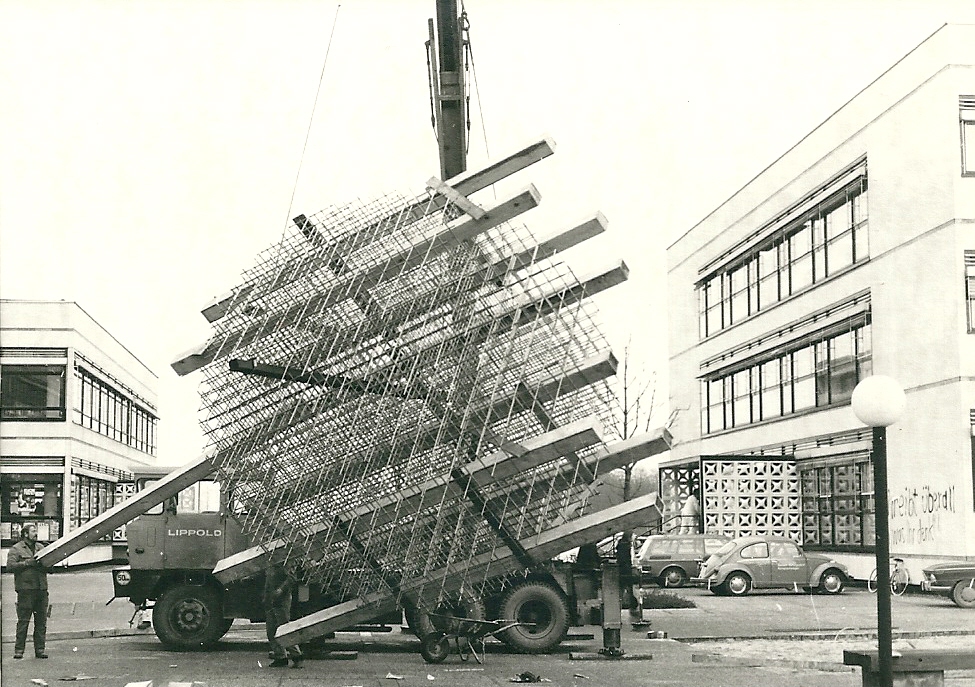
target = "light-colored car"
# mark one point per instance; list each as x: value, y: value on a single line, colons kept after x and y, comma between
x: 762, y: 562
x: 955, y: 579
x: 670, y: 560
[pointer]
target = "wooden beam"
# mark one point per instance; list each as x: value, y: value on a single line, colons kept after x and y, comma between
x: 406, y: 259
x: 464, y: 184
x: 495, y: 467
x: 434, y: 184
x: 588, y: 528
x: 128, y: 510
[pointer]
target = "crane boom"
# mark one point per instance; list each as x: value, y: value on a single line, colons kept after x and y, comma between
x: 450, y: 106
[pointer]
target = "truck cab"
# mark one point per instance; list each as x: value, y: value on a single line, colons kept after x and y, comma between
x: 172, y: 549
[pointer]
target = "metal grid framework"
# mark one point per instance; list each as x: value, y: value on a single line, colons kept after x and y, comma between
x: 401, y: 339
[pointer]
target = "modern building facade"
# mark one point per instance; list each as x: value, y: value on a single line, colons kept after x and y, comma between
x: 78, y: 413
x: 852, y: 254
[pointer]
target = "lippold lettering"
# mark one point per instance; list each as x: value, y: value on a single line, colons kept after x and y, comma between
x: 194, y: 533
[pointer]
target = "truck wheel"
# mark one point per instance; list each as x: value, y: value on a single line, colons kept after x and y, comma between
x: 963, y: 593
x: 225, y: 627
x: 544, y: 613
x: 418, y: 621
x: 188, y: 616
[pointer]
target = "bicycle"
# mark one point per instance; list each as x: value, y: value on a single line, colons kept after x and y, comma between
x: 900, y: 578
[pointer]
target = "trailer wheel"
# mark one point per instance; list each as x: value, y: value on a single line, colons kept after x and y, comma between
x: 544, y: 613
x: 188, y: 617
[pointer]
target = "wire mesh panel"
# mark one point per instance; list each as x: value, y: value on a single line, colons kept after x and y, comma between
x: 374, y: 351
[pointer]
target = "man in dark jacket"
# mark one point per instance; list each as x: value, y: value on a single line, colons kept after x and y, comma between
x: 279, y: 585
x: 30, y: 582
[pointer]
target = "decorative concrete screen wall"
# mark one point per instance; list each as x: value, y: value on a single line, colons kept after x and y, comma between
x: 741, y: 495
x: 751, y: 496
x: 369, y: 358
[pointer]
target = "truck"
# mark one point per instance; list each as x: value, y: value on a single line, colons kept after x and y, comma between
x: 407, y: 404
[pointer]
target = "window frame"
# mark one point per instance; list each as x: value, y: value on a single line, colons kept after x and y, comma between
x: 11, y: 373
x: 966, y: 125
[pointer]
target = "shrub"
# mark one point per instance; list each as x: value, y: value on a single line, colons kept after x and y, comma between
x: 653, y: 598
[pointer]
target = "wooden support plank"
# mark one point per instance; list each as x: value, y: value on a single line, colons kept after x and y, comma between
x: 588, y: 528
x: 464, y: 184
x: 495, y: 467
x: 434, y: 184
x: 131, y: 508
x: 406, y: 259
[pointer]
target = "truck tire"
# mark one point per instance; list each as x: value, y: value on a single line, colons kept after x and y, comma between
x: 225, y: 627
x: 189, y: 616
x: 544, y: 612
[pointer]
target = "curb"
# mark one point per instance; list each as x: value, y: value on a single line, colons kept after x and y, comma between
x: 831, y: 636
x: 826, y: 666
x: 85, y: 634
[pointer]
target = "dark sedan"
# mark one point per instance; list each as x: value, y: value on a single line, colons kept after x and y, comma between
x: 955, y: 579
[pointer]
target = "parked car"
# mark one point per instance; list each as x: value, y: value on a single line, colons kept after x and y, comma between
x: 670, y: 560
x: 758, y: 562
x: 955, y: 579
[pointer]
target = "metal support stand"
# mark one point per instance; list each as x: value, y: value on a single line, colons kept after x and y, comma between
x: 612, y: 611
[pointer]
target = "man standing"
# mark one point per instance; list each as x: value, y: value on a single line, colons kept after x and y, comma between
x: 278, y: 587
x: 30, y: 582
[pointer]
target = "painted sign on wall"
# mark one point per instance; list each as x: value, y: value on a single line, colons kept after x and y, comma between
x: 917, y: 515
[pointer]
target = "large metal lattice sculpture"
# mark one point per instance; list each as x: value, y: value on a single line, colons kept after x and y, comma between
x: 368, y: 382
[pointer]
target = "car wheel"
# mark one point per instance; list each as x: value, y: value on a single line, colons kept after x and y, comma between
x: 673, y: 577
x: 832, y: 581
x: 738, y: 584
x: 963, y: 593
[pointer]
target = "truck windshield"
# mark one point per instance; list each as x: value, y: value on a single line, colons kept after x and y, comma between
x: 202, y: 497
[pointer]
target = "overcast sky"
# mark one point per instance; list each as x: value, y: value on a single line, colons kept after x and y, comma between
x: 149, y: 150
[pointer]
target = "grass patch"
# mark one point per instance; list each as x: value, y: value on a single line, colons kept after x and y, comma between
x: 653, y: 598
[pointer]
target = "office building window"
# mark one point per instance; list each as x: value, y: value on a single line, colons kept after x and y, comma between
x: 32, y: 392
x: 818, y: 371
x: 108, y: 411
x: 970, y: 289
x: 90, y: 497
x: 822, y: 241
x: 966, y: 107
x: 838, y: 504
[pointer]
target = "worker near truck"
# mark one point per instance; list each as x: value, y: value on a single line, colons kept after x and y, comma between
x: 279, y: 585
x: 30, y: 583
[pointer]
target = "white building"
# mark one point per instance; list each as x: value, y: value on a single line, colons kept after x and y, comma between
x: 852, y: 254
x: 77, y: 415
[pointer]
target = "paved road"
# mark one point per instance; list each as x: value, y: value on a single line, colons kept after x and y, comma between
x: 79, y: 614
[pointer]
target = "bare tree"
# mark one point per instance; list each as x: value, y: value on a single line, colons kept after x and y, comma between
x: 637, y: 394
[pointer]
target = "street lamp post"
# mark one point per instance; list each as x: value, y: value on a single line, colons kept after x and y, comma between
x: 878, y: 402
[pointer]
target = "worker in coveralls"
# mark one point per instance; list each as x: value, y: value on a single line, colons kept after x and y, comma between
x: 279, y: 585
x: 30, y: 582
